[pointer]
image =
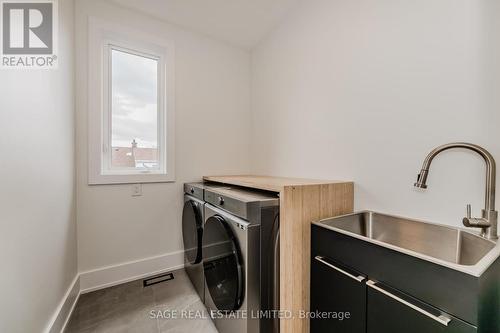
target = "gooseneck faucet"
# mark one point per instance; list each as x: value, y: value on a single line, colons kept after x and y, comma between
x: 488, y: 221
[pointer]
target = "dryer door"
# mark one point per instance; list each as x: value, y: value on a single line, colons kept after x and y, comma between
x: 192, y: 231
x: 222, y: 264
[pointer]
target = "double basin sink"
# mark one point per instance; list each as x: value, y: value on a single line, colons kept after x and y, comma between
x: 453, y: 247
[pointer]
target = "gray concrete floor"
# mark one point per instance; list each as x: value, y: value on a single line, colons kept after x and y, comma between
x: 131, y: 308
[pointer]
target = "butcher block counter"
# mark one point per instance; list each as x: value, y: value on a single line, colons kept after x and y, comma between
x: 301, y: 202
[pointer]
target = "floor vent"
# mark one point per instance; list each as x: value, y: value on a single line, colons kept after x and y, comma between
x: 157, y: 279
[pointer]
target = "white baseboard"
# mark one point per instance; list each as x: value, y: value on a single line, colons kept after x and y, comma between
x: 116, y: 274
x: 110, y: 276
x: 61, y: 316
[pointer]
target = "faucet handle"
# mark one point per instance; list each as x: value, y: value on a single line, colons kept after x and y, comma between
x: 468, y: 211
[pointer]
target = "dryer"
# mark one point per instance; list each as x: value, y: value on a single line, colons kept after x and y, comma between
x: 241, y: 259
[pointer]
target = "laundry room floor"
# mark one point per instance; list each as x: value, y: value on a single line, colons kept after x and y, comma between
x: 130, y: 307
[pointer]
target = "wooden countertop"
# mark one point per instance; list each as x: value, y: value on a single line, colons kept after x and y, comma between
x: 301, y: 202
x: 268, y: 183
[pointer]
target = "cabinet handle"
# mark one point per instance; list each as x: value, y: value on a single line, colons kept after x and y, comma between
x: 440, y: 319
x: 322, y: 260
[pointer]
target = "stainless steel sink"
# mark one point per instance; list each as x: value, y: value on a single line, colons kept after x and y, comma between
x: 449, y: 244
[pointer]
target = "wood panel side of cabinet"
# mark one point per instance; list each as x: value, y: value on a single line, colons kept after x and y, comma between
x: 299, y: 206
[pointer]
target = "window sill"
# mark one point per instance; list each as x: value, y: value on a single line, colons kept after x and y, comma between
x: 131, y: 179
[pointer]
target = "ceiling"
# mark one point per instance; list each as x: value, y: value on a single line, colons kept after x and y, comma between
x: 240, y: 22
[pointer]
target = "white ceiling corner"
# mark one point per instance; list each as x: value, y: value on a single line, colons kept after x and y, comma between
x: 239, y: 22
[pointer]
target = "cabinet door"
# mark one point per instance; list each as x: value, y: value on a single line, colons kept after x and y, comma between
x: 390, y: 311
x: 336, y: 291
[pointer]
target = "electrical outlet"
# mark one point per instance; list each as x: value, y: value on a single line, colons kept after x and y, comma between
x: 136, y: 190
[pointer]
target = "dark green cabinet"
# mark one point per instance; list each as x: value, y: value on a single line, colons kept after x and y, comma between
x: 390, y: 311
x: 416, y: 295
x: 336, y: 291
x: 372, y: 306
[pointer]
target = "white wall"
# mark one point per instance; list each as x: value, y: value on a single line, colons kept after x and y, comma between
x: 37, y: 201
x: 490, y: 10
x: 363, y: 90
x: 212, y: 96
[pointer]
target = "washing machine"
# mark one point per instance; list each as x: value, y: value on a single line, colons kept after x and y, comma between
x: 241, y: 259
x: 192, y: 233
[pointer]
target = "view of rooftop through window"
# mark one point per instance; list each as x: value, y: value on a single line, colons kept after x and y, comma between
x: 134, y: 120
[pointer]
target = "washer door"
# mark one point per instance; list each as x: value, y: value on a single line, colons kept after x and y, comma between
x: 222, y: 264
x: 192, y: 231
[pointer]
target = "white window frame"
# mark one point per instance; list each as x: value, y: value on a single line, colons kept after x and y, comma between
x: 104, y: 37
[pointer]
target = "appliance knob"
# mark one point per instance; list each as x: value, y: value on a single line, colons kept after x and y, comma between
x: 191, y: 190
x: 221, y: 201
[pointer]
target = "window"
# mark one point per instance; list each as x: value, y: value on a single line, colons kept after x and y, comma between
x: 133, y: 132
x: 130, y: 108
